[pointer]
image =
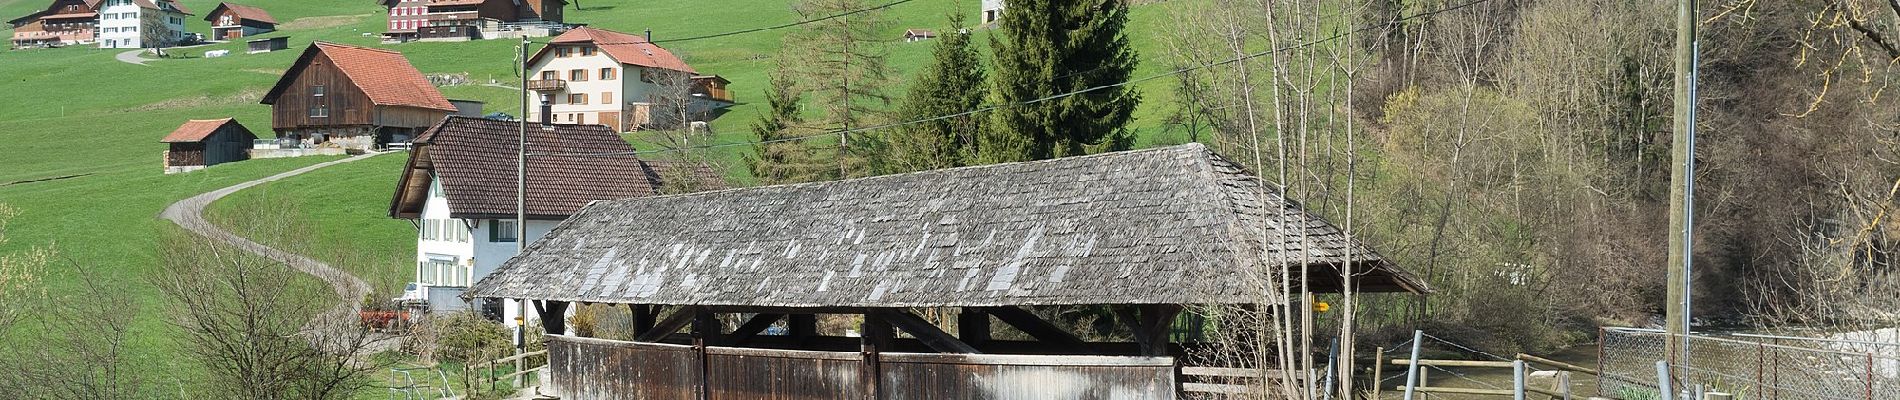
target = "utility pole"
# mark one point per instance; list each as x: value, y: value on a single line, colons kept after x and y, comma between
x: 1681, y: 194
x: 521, y: 205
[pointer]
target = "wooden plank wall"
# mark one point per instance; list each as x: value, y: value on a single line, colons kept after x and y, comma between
x: 585, y: 368
x: 348, y: 105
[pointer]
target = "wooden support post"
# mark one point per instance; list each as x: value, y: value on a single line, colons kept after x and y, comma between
x: 927, y: 333
x: 1378, y: 371
x: 1042, y: 330
x: 973, y: 326
x: 644, y: 318
x: 553, y: 316
x: 875, y: 336
x: 803, y: 327
x: 752, y: 327
x: 705, y: 330
x: 679, y: 319
x: 1150, y: 326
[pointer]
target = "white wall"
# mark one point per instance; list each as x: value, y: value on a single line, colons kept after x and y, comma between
x: 593, y: 87
x: 490, y: 255
x: 122, y: 24
x: 478, y: 253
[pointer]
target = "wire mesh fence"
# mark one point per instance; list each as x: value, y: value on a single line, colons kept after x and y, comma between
x: 1750, y: 368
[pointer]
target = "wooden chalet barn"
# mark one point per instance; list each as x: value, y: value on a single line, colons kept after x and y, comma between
x: 1143, y: 233
x: 233, y: 21
x: 201, y: 143
x: 353, y: 97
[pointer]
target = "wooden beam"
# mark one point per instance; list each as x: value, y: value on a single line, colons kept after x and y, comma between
x: 1036, y: 327
x: 644, y: 317
x: 937, y: 339
x: 1454, y: 363
x: 876, y: 335
x: 1554, y: 363
x: 802, y: 326
x: 973, y: 326
x: 1150, y: 326
x: 752, y: 327
x: 680, y: 317
x: 553, y: 316
x: 706, y: 329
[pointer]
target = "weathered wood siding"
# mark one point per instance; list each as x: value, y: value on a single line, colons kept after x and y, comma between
x: 584, y: 368
x: 347, y: 104
x: 909, y: 376
x: 735, y: 373
x: 183, y: 154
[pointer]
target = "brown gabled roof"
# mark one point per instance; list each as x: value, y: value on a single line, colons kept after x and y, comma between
x: 475, y: 159
x: 243, y: 12
x: 384, y: 75
x: 53, y: 9
x: 198, y: 130
x: 149, y: 5
x: 625, y: 48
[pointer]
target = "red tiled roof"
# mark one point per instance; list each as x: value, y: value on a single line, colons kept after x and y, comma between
x: 243, y: 12
x: 148, y: 4
x: 625, y: 48
x: 475, y: 158
x: 196, y: 130
x: 456, y: 2
x: 384, y: 75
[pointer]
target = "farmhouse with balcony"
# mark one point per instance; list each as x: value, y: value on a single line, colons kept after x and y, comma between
x: 1144, y: 233
x: 353, y: 98
x: 233, y: 21
x: 65, y: 22
x: 201, y: 143
x: 451, y: 20
x: 598, y: 76
x: 459, y: 187
x: 132, y: 24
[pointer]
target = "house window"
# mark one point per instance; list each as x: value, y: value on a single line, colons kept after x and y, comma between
x: 577, y: 98
x: 577, y: 75
x: 550, y: 75
x: 316, y: 91
x: 646, y: 75
x: 320, y: 111
x: 606, y: 97
x: 587, y: 51
x: 441, y: 270
x: 501, y: 230
x: 564, y: 52
x: 606, y: 74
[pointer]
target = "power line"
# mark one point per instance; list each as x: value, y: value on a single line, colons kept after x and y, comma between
x: 836, y: 132
x: 784, y: 25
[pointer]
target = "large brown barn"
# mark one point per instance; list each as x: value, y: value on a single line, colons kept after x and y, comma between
x: 353, y: 97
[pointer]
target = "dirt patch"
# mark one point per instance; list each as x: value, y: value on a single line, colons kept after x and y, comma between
x: 246, y: 96
x: 329, y: 21
x: 266, y: 71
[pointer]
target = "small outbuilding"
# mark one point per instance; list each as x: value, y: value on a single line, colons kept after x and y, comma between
x: 267, y: 45
x: 919, y: 35
x: 201, y: 143
x: 233, y: 21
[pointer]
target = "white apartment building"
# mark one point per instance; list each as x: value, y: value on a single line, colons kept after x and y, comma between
x: 623, y: 81
x: 132, y: 24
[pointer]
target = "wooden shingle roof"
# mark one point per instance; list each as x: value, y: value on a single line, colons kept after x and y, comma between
x: 476, y: 161
x: 1175, y: 225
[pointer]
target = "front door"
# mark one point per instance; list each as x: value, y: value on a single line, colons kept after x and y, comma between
x: 612, y: 119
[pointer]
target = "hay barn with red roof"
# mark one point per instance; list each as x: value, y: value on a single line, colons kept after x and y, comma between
x: 201, y: 143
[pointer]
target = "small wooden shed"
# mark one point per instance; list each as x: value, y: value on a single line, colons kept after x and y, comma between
x: 267, y: 45
x: 201, y: 143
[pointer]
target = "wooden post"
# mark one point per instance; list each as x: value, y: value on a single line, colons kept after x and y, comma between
x: 705, y: 330
x: 644, y: 317
x: 874, y: 337
x: 973, y: 326
x: 1682, y: 154
x: 802, y: 327
x: 1378, y: 371
x: 1720, y: 396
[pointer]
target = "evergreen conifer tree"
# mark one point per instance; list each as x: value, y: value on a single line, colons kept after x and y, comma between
x: 1050, y: 47
x: 951, y: 84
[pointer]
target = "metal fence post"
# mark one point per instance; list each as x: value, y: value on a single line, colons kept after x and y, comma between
x: 1662, y: 381
x: 1411, y: 370
x: 1517, y: 380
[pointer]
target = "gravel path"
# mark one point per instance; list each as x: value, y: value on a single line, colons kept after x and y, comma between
x: 132, y: 57
x: 189, y: 214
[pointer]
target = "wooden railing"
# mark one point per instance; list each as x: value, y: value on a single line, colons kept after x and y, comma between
x: 547, y: 85
x: 490, y: 367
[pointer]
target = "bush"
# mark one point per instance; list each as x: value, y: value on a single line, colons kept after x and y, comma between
x: 467, y: 337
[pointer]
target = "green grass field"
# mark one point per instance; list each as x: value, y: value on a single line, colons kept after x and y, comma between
x: 78, y: 113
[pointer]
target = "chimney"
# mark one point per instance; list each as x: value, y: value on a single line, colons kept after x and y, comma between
x: 547, y: 109
x: 649, y: 35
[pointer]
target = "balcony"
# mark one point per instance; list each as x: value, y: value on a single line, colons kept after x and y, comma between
x: 547, y: 85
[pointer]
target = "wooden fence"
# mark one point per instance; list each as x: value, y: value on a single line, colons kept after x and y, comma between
x: 587, y: 368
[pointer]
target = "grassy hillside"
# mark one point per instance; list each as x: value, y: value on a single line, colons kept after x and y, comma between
x: 76, y: 112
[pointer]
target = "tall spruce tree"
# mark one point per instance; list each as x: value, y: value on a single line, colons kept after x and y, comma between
x: 777, y: 160
x: 1050, y: 47
x: 841, y: 64
x: 951, y: 84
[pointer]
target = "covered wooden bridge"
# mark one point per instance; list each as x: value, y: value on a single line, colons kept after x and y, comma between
x: 1142, y: 233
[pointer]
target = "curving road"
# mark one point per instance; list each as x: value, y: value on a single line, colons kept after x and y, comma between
x: 189, y: 214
